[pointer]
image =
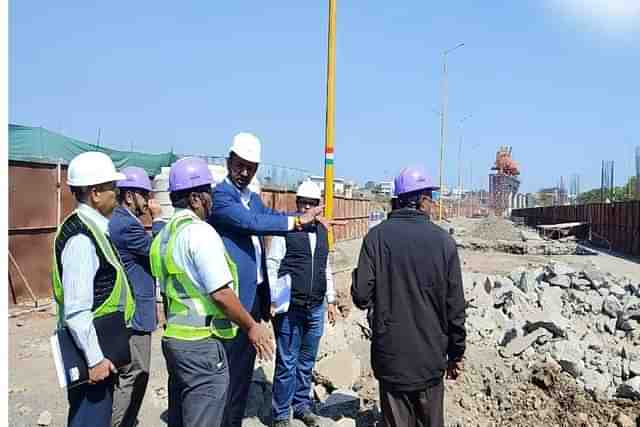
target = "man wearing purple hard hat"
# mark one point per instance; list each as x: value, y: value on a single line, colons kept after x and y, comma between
x: 133, y: 243
x: 409, y: 269
x: 200, y: 284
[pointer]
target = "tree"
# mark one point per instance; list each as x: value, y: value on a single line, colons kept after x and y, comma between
x: 619, y: 194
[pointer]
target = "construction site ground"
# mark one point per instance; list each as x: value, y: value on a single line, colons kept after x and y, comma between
x: 492, y: 390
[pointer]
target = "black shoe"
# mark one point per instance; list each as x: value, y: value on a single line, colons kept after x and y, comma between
x: 281, y: 423
x: 308, y: 418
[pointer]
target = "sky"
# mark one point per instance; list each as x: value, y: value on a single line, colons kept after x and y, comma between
x: 558, y: 80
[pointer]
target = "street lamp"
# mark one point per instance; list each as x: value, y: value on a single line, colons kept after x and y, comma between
x: 443, y: 117
x: 468, y: 116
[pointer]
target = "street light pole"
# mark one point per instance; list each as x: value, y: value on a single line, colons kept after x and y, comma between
x: 443, y: 120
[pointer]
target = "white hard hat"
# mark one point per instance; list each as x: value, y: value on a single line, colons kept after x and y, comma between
x: 92, y: 168
x: 247, y: 146
x: 254, y: 185
x: 310, y: 190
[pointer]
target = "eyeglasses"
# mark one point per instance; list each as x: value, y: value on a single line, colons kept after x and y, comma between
x: 310, y: 202
x: 107, y: 186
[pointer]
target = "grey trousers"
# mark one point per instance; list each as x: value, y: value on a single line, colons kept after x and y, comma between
x: 132, y: 382
x: 198, y: 381
x: 421, y: 408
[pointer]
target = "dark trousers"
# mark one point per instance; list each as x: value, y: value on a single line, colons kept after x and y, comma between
x: 421, y: 408
x: 132, y: 381
x: 91, y: 404
x: 198, y: 381
x: 298, y: 334
x: 242, y: 358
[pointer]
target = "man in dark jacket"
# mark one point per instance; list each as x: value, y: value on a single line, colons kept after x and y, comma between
x: 133, y: 244
x: 409, y: 275
x: 241, y: 219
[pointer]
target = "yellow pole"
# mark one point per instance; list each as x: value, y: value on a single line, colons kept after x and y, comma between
x: 330, y: 122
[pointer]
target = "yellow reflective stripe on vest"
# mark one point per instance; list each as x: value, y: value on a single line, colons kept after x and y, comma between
x: 120, y: 299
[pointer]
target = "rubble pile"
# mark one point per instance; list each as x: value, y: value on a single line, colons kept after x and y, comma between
x: 587, y: 321
x: 495, y: 228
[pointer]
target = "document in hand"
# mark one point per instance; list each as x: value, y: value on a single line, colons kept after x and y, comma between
x: 71, y: 365
x: 281, y: 294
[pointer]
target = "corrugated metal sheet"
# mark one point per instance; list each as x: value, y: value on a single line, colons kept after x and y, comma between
x: 617, y: 223
x: 33, y: 211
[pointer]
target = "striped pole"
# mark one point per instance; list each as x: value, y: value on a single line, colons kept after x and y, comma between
x: 330, y: 119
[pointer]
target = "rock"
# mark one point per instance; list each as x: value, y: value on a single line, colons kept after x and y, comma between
x: 624, y: 421
x: 518, y: 345
x: 45, y: 418
x: 580, y: 284
x: 560, y: 269
x: 346, y: 422
x: 341, y: 403
x: 551, y: 320
x: 611, y: 306
x: 634, y: 368
x: 551, y: 298
x: 630, y: 389
x: 617, y: 291
x: 339, y: 371
x: 478, y: 296
x: 569, y: 355
x: 544, y: 375
x: 594, y: 276
x: 333, y: 341
x: 595, y: 301
x: 595, y: 384
x: 560, y: 281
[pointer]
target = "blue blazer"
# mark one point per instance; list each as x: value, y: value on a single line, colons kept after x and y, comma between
x: 133, y: 243
x: 236, y: 224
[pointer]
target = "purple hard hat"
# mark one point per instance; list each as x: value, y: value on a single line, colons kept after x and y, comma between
x: 189, y: 172
x: 412, y: 179
x: 135, y: 178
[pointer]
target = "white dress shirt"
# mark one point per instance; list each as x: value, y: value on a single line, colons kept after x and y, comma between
x: 277, y: 252
x: 80, y: 264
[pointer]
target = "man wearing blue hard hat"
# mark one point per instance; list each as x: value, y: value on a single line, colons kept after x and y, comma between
x: 409, y: 277
x: 133, y: 243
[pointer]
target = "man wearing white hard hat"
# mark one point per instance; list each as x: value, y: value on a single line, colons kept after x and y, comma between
x: 301, y: 283
x: 241, y: 219
x: 90, y: 283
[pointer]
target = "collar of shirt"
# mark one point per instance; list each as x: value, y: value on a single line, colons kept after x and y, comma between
x: 245, y: 194
x: 130, y: 213
x: 185, y: 212
x: 101, y: 221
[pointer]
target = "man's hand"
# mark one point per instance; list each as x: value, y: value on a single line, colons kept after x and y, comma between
x: 311, y: 215
x: 101, y: 371
x: 155, y: 210
x: 454, y: 369
x: 332, y: 313
x: 260, y: 338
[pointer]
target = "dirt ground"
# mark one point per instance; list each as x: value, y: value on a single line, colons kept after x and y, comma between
x: 493, y: 391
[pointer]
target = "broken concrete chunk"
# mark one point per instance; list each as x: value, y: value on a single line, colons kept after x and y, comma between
x: 560, y: 281
x: 339, y: 371
x: 630, y: 389
x: 595, y: 383
x: 560, y: 269
x: 518, y: 345
x: 580, y: 284
x: 617, y: 291
x: 611, y: 306
x: 569, y: 355
x: 551, y: 320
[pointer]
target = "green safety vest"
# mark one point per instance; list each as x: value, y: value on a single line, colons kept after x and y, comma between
x: 120, y: 298
x: 191, y: 315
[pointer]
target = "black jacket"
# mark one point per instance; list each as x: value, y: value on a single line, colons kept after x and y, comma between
x: 409, y: 276
x: 308, y: 273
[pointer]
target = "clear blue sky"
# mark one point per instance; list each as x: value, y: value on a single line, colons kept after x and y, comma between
x: 562, y: 87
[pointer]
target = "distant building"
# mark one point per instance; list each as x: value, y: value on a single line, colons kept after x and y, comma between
x: 338, y: 184
x: 553, y: 196
x: 384, y: 188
